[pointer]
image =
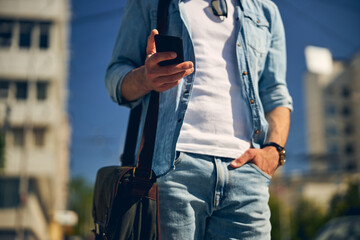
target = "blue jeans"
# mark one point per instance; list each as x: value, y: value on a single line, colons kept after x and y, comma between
x: 204, y: 198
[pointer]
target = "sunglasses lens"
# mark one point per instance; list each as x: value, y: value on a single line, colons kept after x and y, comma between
x: 219, y: 7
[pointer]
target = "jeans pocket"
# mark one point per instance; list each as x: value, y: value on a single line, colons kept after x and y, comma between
x: 178, y: 157
x: 264, y: 174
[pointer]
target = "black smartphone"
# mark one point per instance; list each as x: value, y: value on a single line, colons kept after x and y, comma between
x: 165, y: 43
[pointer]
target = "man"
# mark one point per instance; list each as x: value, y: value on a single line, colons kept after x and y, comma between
x: 224, y: 113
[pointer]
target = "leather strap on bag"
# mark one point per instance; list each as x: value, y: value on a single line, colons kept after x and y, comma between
x: 162, y: 13
x: 128, y: 156
x: 146, y: 154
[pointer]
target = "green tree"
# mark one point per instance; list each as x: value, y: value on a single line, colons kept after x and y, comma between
x: 274, y: 205
x: 346, y: 204
x: 80, y: 201
x: 307, y: 220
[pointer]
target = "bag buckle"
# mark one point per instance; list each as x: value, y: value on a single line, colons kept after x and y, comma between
x: 134, y: 170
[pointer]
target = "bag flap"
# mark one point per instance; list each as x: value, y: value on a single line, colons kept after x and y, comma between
x: 107, y: 179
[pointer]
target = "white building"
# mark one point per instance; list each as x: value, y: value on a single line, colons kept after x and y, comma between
x: 33, y: 117
x: 332, y: 93
x: 333, y: 114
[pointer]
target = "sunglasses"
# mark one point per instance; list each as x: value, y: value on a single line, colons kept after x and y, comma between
x: 219, y: 7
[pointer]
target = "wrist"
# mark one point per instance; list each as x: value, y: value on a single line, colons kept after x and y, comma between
x: 142, y: 83
x: 272, y: 152
x: 134, y: 85
x: 280, y: 150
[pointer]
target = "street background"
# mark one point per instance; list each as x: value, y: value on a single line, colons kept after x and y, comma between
x: 58, y: 125
x: 99, y: 125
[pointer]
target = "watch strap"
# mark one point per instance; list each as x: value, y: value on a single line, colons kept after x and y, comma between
x: 273, y: 144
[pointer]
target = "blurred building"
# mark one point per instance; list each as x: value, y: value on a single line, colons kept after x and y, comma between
x: 332, y: 94
x: 333, y: 112
x: 33, y: 117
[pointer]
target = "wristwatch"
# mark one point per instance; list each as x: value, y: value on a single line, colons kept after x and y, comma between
x: 280, y: 149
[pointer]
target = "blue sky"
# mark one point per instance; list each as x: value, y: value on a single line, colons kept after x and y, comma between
x: 99, y: 125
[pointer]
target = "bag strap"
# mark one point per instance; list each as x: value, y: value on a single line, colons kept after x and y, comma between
x: 147, y: 145
x: 128, y: 156
x: 162, y: 13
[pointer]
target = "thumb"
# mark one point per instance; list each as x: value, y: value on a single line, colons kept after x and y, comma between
x: 246, y: 157
x: 150, y: 48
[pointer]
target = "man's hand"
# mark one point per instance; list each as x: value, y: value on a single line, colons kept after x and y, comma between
x: 267, y: 159
x: 162, y: 78
x: 152, y: 76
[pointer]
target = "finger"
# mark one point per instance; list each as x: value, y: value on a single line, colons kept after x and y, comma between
x: 150, y: 48
x: 164, y: 81
x: 168, y: 86
x: 174, y: 69
x: 155, y: 58
x: 246, y: 157
x: 154, y: 70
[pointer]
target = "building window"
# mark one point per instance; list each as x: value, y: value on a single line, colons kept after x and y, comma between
x: 351, y: 166
x: 26, y: 29
x: 331, y: 91
x: 346, y: 92
x: 18, y: 136
x: 21, y: 90
x: 39, y: 134
x: 349, y: 129
x: 346, y: 111
x: 333, y: 148
x: 331, y: 131
x: 44, y: 35
x: 4, y: 89
x: 41, y: 90
x: 330, y: 110
x: 349, y: 149
x: 6, y: 32
x: 26, y: 33
x: 9, y: 194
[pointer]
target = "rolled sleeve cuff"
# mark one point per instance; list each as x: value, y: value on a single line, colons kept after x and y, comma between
x: 277, y: 98
x: 114, y: 79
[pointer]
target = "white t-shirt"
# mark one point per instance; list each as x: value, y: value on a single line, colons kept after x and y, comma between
x: 217, y: 121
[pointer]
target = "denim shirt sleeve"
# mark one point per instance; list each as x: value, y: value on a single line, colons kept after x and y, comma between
x: 129, y: 51
x: 272, y: 85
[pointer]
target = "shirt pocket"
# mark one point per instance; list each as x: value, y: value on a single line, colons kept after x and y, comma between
x: 257, y: 32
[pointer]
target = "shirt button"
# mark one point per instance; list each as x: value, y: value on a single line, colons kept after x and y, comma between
x: 257, y: 131
x: 252, y: 101
x: 239, y: 45
x: 244, y: 73
x: 258, y: 21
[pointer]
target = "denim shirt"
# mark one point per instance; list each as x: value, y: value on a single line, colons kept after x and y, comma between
x: 261, y: 60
